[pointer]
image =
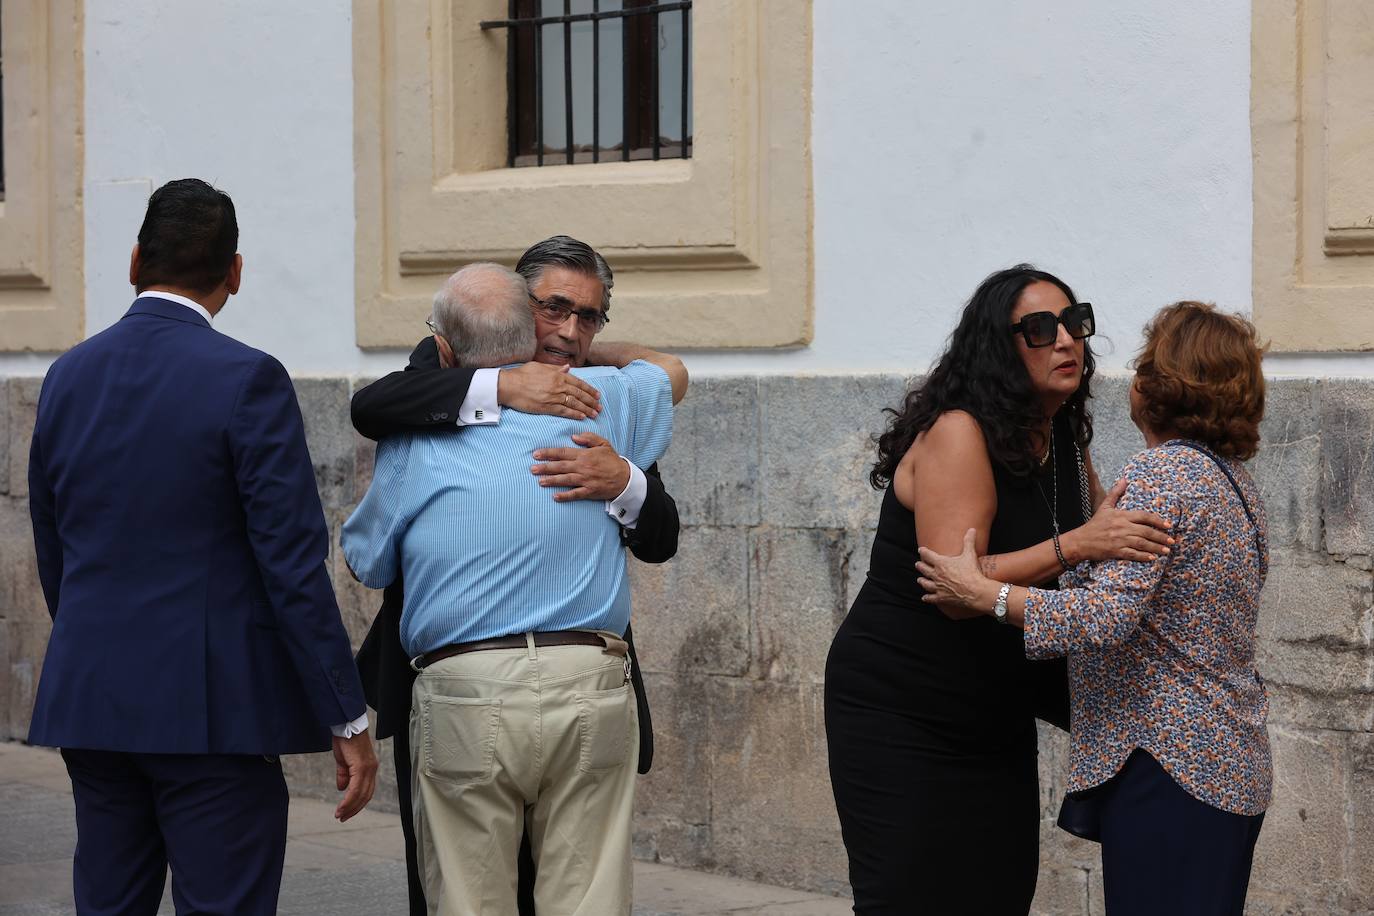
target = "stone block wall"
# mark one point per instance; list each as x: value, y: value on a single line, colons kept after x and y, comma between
x: 769, y: 475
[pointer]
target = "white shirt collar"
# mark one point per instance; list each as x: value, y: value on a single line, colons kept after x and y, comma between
x: 182, y: 300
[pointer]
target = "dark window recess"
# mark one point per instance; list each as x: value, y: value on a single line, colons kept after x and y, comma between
x: 597, y: 80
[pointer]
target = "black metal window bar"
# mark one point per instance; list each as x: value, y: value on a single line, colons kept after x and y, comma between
x: 645, y: 34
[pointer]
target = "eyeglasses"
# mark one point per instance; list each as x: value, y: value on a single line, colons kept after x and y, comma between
x: 1041, y: 329
x: 588, y: 319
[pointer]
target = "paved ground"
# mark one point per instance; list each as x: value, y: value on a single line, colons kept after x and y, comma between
x: 353, y: 869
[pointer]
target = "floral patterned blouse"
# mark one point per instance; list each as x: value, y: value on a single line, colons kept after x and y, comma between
x: 1162, y: 654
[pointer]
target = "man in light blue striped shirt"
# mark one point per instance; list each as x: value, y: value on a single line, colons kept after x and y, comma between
x: 539, y: 728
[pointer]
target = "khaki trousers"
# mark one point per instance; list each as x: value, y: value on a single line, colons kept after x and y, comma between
x: 542, y: 740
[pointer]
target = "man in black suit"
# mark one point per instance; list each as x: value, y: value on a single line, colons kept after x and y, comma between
x: 570, y: 288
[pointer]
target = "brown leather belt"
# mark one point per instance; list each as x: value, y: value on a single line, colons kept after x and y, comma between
x: 560, y: 638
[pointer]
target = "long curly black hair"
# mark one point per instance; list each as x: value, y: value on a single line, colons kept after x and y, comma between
x: 982, y: 373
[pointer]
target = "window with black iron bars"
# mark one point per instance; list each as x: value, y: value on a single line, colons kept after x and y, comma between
x: 597, y: 80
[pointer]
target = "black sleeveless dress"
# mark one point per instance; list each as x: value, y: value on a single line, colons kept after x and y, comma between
x: 930, y: 723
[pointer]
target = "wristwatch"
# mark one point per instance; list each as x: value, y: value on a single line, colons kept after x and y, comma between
x: 999, y: 610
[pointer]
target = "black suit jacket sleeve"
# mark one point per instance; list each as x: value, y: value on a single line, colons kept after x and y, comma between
x: 419, y: 398
x: 654, y: 537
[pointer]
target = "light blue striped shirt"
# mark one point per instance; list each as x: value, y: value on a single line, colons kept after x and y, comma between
x: 484, y: 550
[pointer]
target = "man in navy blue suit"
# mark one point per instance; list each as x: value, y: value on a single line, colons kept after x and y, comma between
x: 181, y: 547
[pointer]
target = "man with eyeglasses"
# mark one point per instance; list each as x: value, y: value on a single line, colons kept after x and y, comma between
x: 570, y: 289
x: 514, y: 617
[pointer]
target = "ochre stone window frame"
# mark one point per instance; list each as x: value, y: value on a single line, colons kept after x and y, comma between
x: 42, y: 295
x: 1312, y: 91
x: 712, y: 251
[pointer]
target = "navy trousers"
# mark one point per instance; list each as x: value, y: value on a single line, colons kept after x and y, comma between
x: 1163, y: 851
x: 218, y: 820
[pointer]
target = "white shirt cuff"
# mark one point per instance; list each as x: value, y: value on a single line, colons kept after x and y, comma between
x: 480, y: 407
x: 626, y: 507
x: 349, y: 729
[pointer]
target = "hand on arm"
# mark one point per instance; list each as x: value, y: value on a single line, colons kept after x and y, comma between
x: 953, y: 490
x: 1117, y: 534
x: 1109, y: 608
x: 1105, y: 613
x: 1111, y: 534
x: 549, y: 390
x: 955, y: 486
x: 956, y: 584
x: 621, y: 355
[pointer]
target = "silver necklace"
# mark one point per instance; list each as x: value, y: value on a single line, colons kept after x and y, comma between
x: 1053, y: 503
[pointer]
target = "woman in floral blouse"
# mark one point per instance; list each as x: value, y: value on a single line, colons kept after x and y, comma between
x: 1169, y: 748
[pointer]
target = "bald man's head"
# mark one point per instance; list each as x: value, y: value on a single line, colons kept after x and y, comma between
x: 483, y: 312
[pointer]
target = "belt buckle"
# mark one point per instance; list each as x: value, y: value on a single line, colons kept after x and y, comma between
x: 415, y: 664
x: 628, y: 668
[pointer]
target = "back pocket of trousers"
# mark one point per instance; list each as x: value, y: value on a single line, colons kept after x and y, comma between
x: 603, y: 723
x: 459, y: 735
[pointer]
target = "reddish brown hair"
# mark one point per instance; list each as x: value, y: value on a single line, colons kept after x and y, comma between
x: 1199, y: 377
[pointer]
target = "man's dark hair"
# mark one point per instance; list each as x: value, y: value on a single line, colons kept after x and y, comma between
x: 565, y: 251
x: 188, y: 238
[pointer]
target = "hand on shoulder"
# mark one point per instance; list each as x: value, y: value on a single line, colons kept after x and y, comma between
x: 1120, y: 533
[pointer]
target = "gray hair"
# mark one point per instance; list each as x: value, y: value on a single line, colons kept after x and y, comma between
x: 483, y: 311
x: 565, y: 251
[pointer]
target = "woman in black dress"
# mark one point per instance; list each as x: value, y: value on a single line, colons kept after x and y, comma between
x: 930, y: 720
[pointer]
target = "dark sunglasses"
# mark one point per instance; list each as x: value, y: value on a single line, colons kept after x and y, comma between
x: 1040, y: 329
x: 590, y: 319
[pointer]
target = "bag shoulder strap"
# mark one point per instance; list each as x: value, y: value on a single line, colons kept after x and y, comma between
x: 1234, y: 486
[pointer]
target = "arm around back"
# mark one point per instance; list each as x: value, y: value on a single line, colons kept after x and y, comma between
x: 649, y: 419
x: 621, y: 355
x: 421, y: 397
x: 677, y: 373
x: 290, y: 541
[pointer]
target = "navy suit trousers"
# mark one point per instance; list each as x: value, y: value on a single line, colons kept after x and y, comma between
x: 219, y: 820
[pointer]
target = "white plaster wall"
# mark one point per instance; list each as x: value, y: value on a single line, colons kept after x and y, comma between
x: 1105, y: 140
x: 255, y: 96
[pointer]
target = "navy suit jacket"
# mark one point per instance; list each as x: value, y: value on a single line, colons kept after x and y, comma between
x: 182, y: 547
